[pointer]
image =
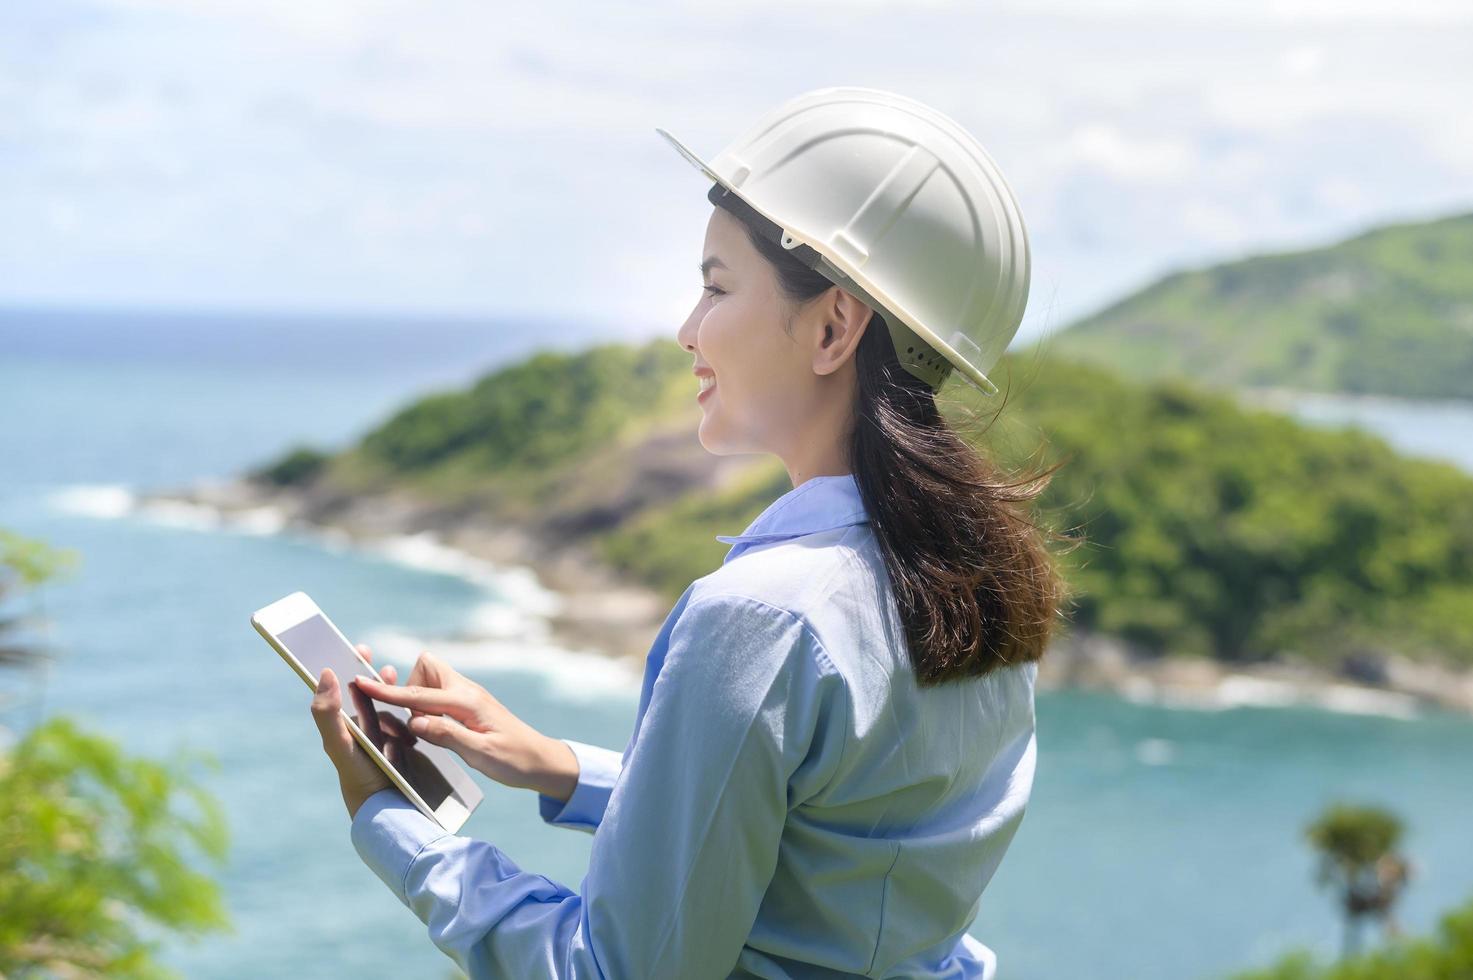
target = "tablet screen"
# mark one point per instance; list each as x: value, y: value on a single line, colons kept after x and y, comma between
x: 430, y: 769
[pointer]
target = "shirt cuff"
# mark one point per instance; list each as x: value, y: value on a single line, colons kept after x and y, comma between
x: 388, y: 832
x: 981, y: 954
x: 598, y: 770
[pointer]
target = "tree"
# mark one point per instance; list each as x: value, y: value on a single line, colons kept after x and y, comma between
x: 93, y: 843
x: 1358, y: 858
x: 24, y: 564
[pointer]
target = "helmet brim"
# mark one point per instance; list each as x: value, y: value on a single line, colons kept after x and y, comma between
x: 695, y: 161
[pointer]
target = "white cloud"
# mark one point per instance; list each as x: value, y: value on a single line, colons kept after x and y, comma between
x: 1218, y: 223
x: 1303, y: 60
x: 1127, y: 158
x: 370, y: 153
x: 1341, y: 193
x: 1255, y: 12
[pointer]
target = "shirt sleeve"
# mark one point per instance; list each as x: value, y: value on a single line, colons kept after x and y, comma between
x: 598, y: 770
x: 745, y: 719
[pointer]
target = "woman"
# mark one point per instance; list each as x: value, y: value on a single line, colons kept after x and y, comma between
x: 834, y: 743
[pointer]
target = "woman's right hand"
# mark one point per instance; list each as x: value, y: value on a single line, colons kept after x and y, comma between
x: 479, y: 728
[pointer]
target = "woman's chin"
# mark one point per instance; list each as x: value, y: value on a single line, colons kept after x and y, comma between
x: 707, y: 442
x: 711, y: 439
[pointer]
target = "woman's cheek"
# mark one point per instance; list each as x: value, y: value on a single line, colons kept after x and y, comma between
x: 718, y: 336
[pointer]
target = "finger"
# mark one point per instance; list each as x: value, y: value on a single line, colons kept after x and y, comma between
x: 439, y: 730
x: 387, y: 672
x: 367, y: 715
x: 430, y: 671
x: 393, y: 728
x: 327, y: 705
x: 431, y: 700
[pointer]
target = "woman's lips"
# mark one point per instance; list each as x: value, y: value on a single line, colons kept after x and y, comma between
x: 705, y: 391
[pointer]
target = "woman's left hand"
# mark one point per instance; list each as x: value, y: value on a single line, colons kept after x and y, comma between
x: 359, y: 777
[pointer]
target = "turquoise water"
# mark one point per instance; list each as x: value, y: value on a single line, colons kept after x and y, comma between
x: 1440, y: 430
x: 1159, y: 842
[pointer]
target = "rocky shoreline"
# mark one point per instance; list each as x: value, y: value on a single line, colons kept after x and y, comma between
x: 593, y: 610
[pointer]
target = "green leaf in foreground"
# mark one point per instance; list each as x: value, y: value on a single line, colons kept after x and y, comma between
x: 94, y: 850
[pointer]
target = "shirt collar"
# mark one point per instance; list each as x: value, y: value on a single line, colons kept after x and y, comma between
x: 820, y: 503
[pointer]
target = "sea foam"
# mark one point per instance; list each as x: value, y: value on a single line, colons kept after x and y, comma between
x: 509, y: 632
x: 101, y: 500
x: 425, y: 551
x: 567, y: 675
x: 113, y: 501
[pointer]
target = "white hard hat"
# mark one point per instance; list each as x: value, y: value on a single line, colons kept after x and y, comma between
x: 898, y: 204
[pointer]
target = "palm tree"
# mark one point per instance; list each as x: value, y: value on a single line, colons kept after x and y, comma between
x: 1358, y: 858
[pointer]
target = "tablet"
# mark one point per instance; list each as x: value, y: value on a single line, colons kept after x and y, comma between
x: 431, y: 776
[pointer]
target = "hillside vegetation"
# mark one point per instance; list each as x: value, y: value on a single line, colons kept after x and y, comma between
x: 1212, y: 531
x: 1386, y: 312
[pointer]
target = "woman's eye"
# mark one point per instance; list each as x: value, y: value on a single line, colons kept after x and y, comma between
x: 713, y: 290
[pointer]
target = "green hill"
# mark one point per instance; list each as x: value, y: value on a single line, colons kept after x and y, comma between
x: 1387, y: 312
x: 1213, y: 530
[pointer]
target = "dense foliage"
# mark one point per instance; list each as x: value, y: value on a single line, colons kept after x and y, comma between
x: 1239, y: 534
x: 25, y: 563
x: 298, y: 466
x: 671, y: 546
x: 536, y: 413
x: 1389, y: 311
x: 1210, y: 530
x: 1445, y: 956
x: 94, y: 844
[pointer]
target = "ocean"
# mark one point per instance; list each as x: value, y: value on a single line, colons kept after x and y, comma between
x: 1159, y: 842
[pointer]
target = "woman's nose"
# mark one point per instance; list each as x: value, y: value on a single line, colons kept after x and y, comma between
x: 686, y: 335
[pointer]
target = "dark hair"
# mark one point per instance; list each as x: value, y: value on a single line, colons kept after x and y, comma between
x: 976, y: 585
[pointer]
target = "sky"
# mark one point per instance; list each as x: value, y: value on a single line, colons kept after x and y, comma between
x: 410, y: 156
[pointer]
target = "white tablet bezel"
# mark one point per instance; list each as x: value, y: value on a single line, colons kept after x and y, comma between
x: 285, y: 613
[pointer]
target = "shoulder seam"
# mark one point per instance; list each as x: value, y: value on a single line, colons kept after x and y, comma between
x: 848, y: 702
x: 817, y: 588
x: 670, y: 928
x: 822, y: 661
x: 799, y: 618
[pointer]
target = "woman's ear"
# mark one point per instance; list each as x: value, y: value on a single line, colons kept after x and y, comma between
x: 844, y: 320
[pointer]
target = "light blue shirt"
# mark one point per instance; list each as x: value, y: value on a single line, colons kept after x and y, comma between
x: 790, y: 804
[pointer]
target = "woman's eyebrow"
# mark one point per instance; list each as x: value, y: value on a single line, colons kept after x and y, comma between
x: 712, y: 262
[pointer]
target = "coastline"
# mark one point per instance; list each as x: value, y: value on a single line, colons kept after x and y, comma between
x: 582, y: 603
x: 586, y: 607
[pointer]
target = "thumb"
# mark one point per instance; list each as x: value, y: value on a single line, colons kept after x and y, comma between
x: 326, y: 702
